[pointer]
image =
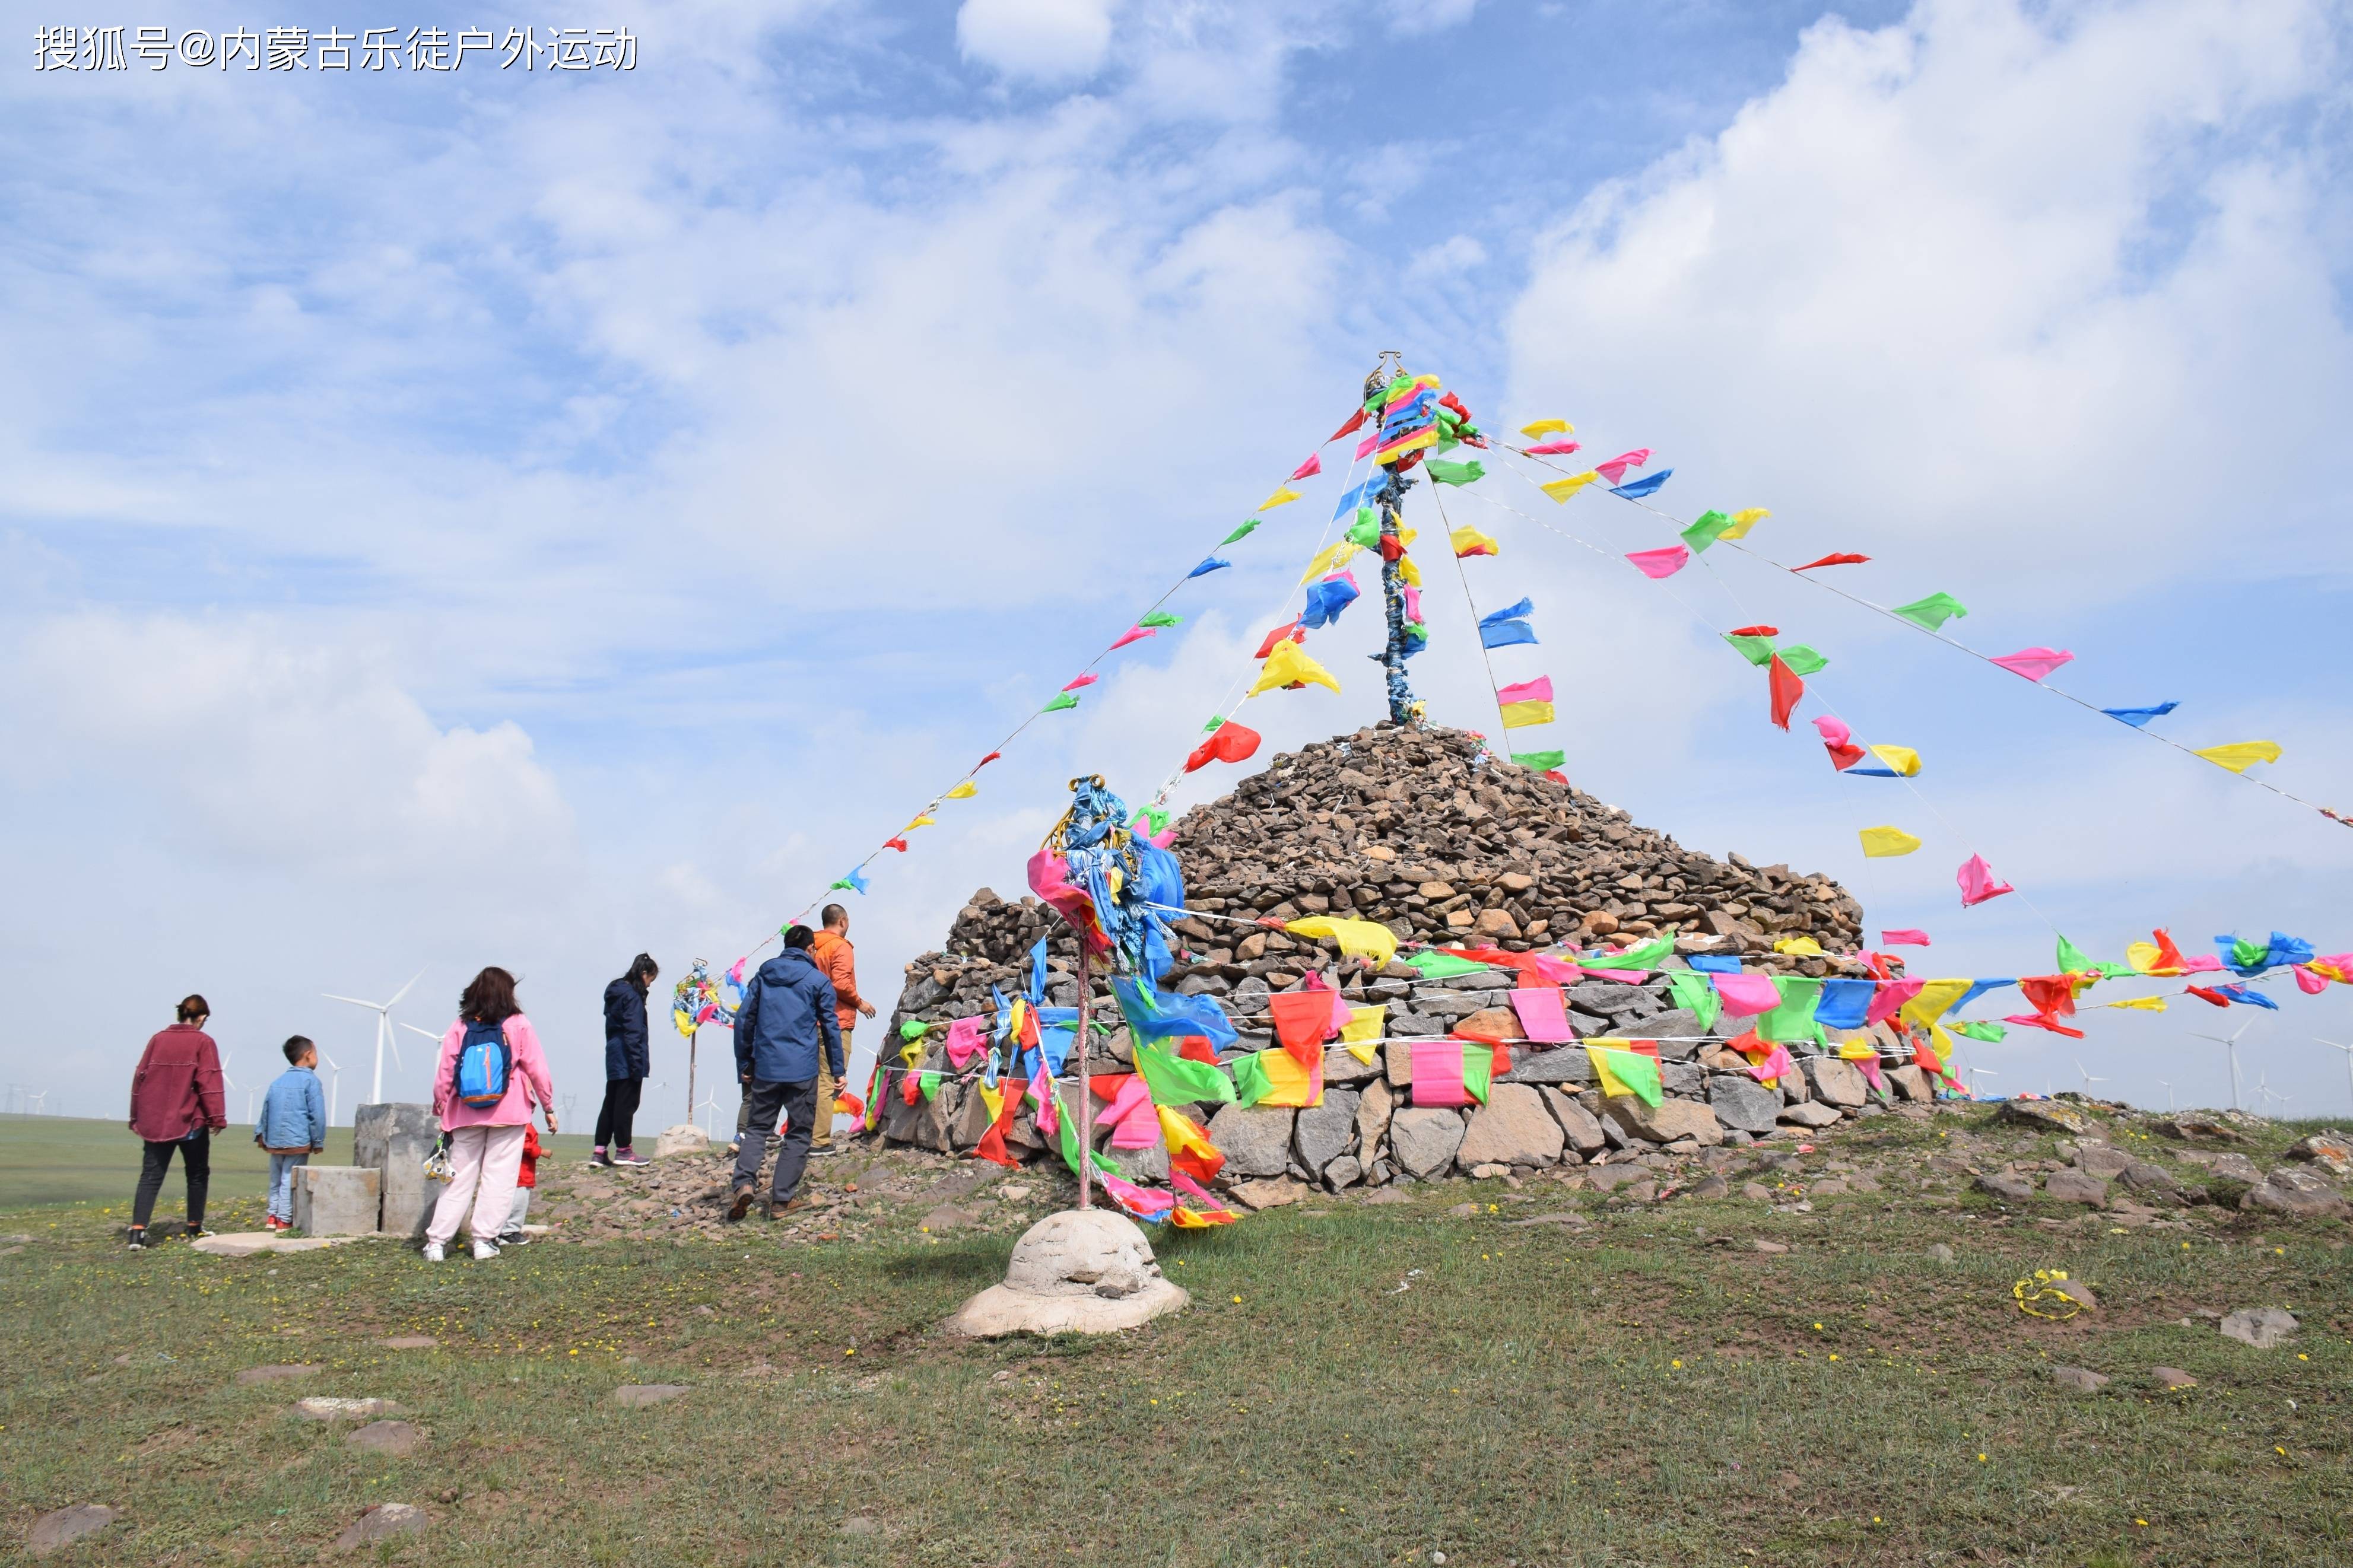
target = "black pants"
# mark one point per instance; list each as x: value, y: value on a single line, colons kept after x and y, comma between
x: 615, y: 1122
x: 198, y: 1152
x: 765, y: 1101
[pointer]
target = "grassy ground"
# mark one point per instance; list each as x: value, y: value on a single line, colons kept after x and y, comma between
x: 1643, y: 1388
x: 49, y: 1160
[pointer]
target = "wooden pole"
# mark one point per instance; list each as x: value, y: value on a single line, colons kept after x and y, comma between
x: 1086, y: 1097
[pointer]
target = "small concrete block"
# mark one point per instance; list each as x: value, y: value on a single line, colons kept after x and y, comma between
x: 337, y: 1200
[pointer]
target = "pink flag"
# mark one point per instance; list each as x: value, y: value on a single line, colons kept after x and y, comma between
x: 1143, y: 1203
x: 1134, y: 634
x: 2309, y: 982
x: 1775, y: 1064
x: 1747, y: 994
x: 965, y: 1040
x: 1663, y: 562
x: 1135, y: 1123
x: 1868, y: 1066
x: 1555, y: 449
x: 1365, y: 447
x: 1834, y: 730
x: 1412, y: 602
x: 1904, y: 937
x: 1537, y: 691
x: 1977, y: 885
x: 1314, y: 464
x: 2034, y: 663
x: 2196, y: 964
x: 1542, y: 1015
x: 1087, y: 679
x: 1437, y: 1073
x: 1050, y: 1120
x: 1555, y: 971
x: 1342, y: 1016
x: 1891, y: 996
x: 1614, y: 469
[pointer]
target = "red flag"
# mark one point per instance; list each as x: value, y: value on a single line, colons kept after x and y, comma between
x: 1753, y: 632
x: 2050, y: 994
x: 898, y: 844
x: 1289, y: 630
x: 986, y: 761
x: 1356, y: 422
x: 992, y: 1143
x: 2169, y: 957
x: 1449, y: 400
x: 2203, y: 994
x: 1832, y: 561
x: 2043, y: 1021
x: 1232, y: 743
x: 1302, y: 1021
x: 1786, y: 687
x: 1843, y: 755
x: 1197, y: 1049
x: 1392, y: 547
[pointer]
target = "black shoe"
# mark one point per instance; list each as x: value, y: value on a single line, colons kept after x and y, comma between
x: 741, y: 1206
x: 197, y: 1232
x: 137, y: 1238
x: 513, y: 1238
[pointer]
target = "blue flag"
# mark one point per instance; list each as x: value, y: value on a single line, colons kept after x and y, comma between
x: 1503, y: 634
x: 1360, y: 495
x: 855, y: 881
x: 2252, y: 998
x: 1163, y: 1014
x: 1326, y: 600
x: 1214, y: 564
x: 1713, y: 962
x: 1976, y: 989
x: 1844, y: 1003
x: 1520, y: 611
x: 2138, y: 718
x: 1648, y: 484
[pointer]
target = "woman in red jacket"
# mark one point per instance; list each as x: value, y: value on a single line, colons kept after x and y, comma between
x: 176, y: 1103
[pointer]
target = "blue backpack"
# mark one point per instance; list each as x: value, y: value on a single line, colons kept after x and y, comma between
x: 482, y: 1064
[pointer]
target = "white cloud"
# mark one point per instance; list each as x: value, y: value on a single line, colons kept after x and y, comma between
x: 1414, y: 18
x: 1045, y: 40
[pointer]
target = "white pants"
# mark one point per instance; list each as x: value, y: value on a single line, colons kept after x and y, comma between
x: 483, y: 1163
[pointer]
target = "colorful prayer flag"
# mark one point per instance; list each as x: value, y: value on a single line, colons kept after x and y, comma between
x: 1647, y: 486
x: 1832, y: 561
x: 2034, y: 663
x: 1803, y: 659
x: 1622, y: 1071
x: 1520, y: 715
x: 2241, y: 755
x: 1469, y: 541
x: 1283, y: 496
x: 1547, y: 427
x: 1062, y: 701
x: 1784, y: 687
x: 1906, y: 936
x: 1311, y: 467
x: 1288, y: 664
x: 1977, y: 885
x: 1706, y: 530
x: 1661, y: 562
x: 1745, y: 520
x: 2138, y: 718
x: 1447, y: 473
x: 1932, y: 611
x: 963, y: 790
x: 1540, y: 761
x: 1561, y: 489
x: 1228, y: 743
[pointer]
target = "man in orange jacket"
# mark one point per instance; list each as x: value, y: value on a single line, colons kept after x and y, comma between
x: 839, y: 960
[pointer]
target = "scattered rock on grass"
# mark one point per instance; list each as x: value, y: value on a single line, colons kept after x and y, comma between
x: 2331, y: 1151
x: 254, y: 1375
x: 2171, y: 1378
x: 1939, y: 1252
x: 326, y: 1407
x: 382, y: 1522
x: 2261, y: 1327
x: 1761, y: 1245
x: 53, y: 1531
x: 2077, y: 1187
x: 2041, y: 1115
x: 397, y: 1438
x: 410, y: 1342
x: 634, y: 1395
x: 2078, y: 1379
x: 2000, y: 1185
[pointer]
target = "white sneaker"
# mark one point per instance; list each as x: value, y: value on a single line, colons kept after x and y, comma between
x: 433, y: 1252
x: 484, y: 1252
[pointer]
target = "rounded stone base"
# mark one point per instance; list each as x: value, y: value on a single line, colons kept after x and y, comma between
x: 1082, y: 1271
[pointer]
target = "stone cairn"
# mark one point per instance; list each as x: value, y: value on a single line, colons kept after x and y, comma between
x: 1424, y: 831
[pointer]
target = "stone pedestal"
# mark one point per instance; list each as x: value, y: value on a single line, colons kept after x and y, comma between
x: 1084, y: 1272
x: 337, y: 1200
x: 685, y: 1138
x: 393, y: 1141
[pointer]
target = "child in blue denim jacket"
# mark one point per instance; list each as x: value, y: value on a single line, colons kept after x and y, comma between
x: 293, y: 1127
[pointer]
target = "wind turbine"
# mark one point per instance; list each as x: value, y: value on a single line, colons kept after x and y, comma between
x: 334, y: 1084
x: 2088, y: 1080
x: 1978, y: 1072
x: 2265, y: 1093
x: 2169, y: 1094
x: 2334, y: 1045
x: 2231, y: 1043
x: 231, y: 1083
x: 383, y: 1031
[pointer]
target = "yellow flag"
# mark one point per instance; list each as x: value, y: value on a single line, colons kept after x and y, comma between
x: 1903, y: 759
x: 1611, y: 1084
x: 993, y: 1099
x: 1331, y: 560
x: 1408, y: 573
x: 963, y: 790
x: 1289, y: 663
x: 1405, y: 536
x: 1289, y: 1083
x: 1888, y: 841
x: 1363, y: 1035
x: 1283, y: 496
x: 1561, y: 489
x: 1800, y: 946
x: 1743, y: 521
x: 1519, y: 715
x: 1858, y: 1051
x: 1357, y: 939
x: 2241, y: 755
x: 1929, y: 1006
x: 920, y: 822
x: 2139, y: 1003
x: 1469, y: 541
x: 1547, y: 427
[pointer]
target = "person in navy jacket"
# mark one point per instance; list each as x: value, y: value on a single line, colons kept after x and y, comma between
x: 786, y: 1020
x: 627, y: 1063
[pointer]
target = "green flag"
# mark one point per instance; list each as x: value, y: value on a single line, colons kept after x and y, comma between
x: 1238, y: 535
x: 1703, y: 532
x: 1803, y: 660
x: 1062, y: 700
x: 1539, y: 761
x: 1216, y: 722
x: 1069, y: 1135
x: 1794, y: 1018
x: 1455, y: 473
x: 2074, y: 959
x: 1478, y: 1071
x: 931, y: 1084
x: 1250, y: 1084
x: 1976, y: 1031
x: 1180, y: 1080
x: 1932, y: 611
x: 1694, y: 990
x: 1643, y: 956
x: 914, y: 1029
x: 1161, y: 618
x: 1757, y: 651
x: 1366, y: 531
x: 1624, y: 1071
x: 1436, y: 965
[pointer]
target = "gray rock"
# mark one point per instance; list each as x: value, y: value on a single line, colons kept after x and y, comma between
x: 2078, y: 1379
x: 1740, y: 1101
x: 1681, y: 1078
x: 1345, y: 1171
x: 1563, y: 1064
x: 397, y: 1438
x: 1373, y: 1123
x: 1268, y: 1192
x: 2075, y: 1188
x: 1579, y: 1127
x: 254, y: 1375
x: 1610, y: 999
x: 2042, y: 1116
x: 1424, y: 1138
x: 2261, y: 1327
x: 1910, y: 1083
x: 1451, y: 1004
x: 1665, y: 1121
x: 1677, y: 1031
x: 1835, y: 1082
x: 1511, y: 1129
x: 2330, y: 1150
x: 1341, y: 1066
x: 2236, y: 1166
x: 2171, y: 1379
x: 1808, y: 1113
x: 636, y: 1395
x: 1322, y: 1134
x: 2149, y: 1180
x: 325, y: 1407
x: 1256, y: 1139
x: 2099, y: 1160
x: 62, y: 1527
x: 1940, y: 1253
x: 2012, y: 1189
x: 1415, y: 1023
x: 410, y: 1342
x: 382, y: 1522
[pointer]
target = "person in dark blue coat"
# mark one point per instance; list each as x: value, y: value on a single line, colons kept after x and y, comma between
x: 786, y: 1020
x: 627, y: 1063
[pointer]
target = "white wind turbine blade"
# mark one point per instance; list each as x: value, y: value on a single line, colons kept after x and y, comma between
x: 356, y: 1001
x: 404, y: 990
x: 415, y: 1030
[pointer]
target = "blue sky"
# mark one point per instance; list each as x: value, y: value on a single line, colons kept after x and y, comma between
x: 487, y: 518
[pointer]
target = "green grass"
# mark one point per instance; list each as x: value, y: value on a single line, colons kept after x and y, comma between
x: 1520, y: 1403
x: 49, y: 1160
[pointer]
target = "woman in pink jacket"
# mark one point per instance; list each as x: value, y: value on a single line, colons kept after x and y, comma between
x: 486, y: 1140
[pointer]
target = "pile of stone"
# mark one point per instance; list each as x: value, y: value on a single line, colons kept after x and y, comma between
x: 1423, y: 831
